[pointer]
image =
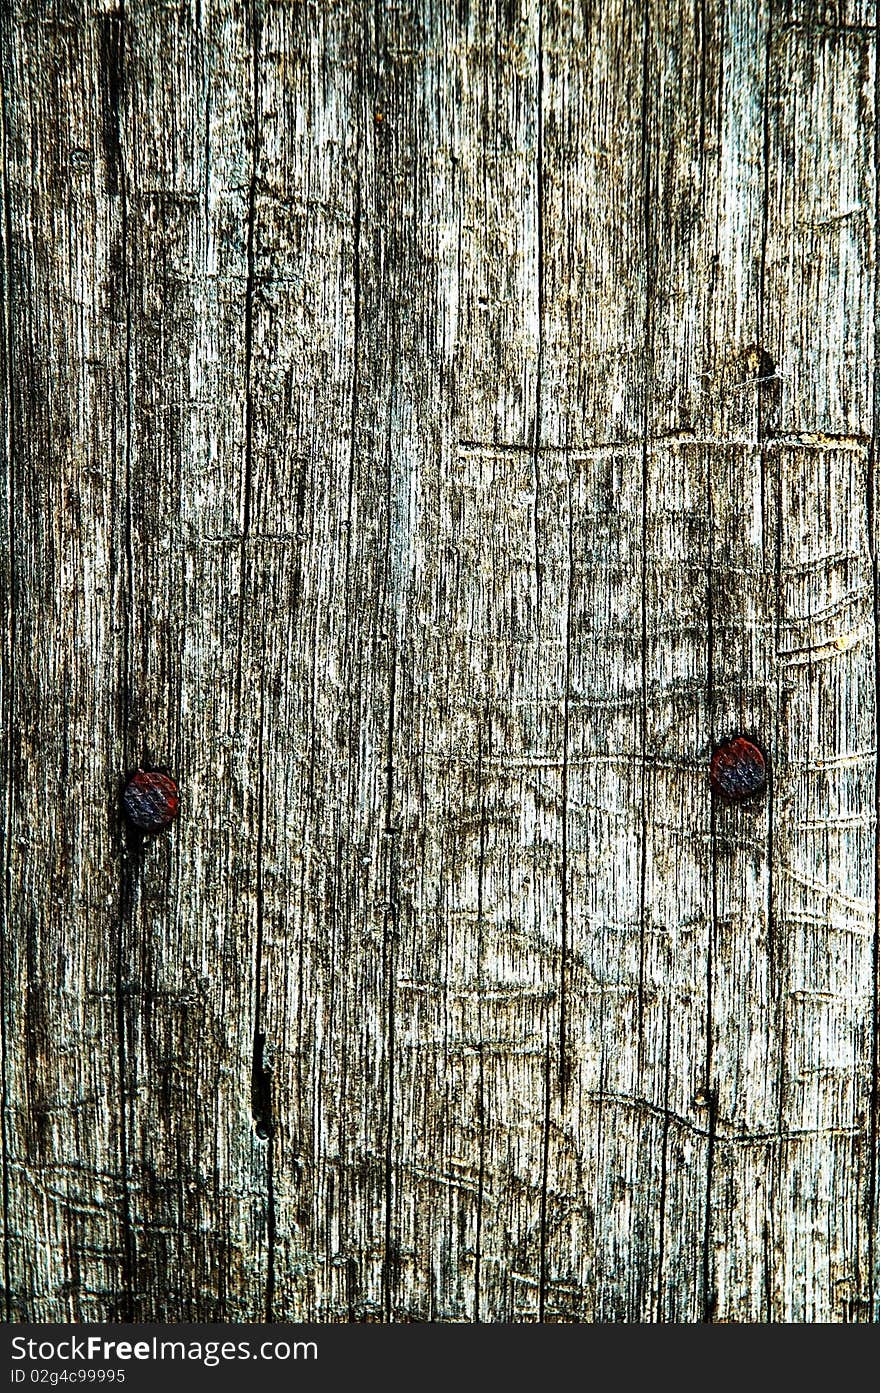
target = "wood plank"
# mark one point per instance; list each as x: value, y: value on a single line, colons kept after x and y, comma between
x: 64, y: 336
x: 736, y: 1089
x: 428, y: 430
x: 478, y: 688
x: 826, y: 706
x: 187, y: 1046
x: 318, y: 548
x: 601, y: 1142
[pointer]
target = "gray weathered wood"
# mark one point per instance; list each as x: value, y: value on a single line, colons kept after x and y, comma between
x: 429, y: 428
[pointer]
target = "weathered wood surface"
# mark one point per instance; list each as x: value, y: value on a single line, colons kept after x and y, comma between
x: 429, y: 428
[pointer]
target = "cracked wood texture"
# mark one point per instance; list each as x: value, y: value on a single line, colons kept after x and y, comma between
x: 429, y: 429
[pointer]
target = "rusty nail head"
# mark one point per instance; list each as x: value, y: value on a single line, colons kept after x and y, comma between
x: 737, y: 770
x: 150, y: 800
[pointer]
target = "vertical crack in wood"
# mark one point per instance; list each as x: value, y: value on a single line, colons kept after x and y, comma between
x: 871, y: 509
x: 708, y: 1277
x: 707, y: 1293
x: 765, y: 368
x: 566, y: 725
x: 545, y: 1168
x: 111, y: 34
x: 664, y: 1161
x: 206, y: 129
x: 128, y: 870
x: 767, y: 1258
x: 349, y: 662
x: 247, y: 503
x: 261, y: 1089
x: 389, y: 947
x: 391, y: 618
x: 261, y: 1079
x: 539, y: 296
x: 481, y: 1044
x: 10, y: 633
x: 646, y: 176
x: 707, y: 1088
x: 536, y: 449
x: 112, y: 37
x: 355, y: 346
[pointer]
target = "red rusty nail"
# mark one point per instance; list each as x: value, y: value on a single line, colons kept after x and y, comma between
x: 738, y: 770
x: 150, y: 800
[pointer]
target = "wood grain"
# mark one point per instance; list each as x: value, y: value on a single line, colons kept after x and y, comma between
x: 429, y: 429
